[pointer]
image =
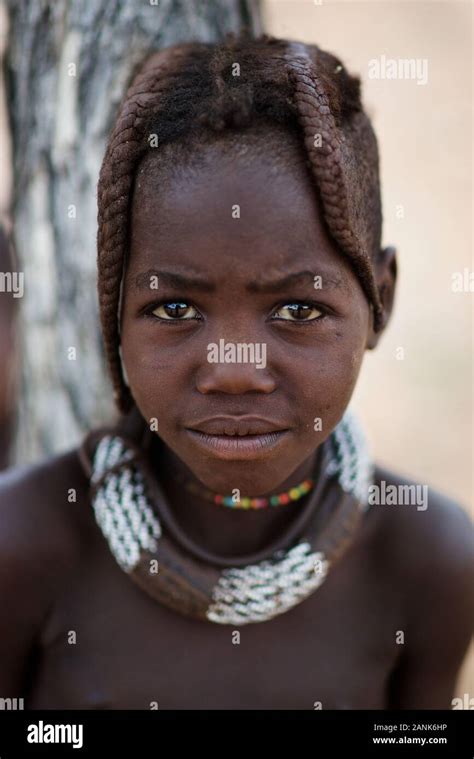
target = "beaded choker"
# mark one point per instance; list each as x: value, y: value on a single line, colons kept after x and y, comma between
x: 232, y: 502
x: 138, y: 524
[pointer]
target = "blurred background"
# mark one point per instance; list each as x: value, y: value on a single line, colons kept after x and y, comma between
x: 415, y: 393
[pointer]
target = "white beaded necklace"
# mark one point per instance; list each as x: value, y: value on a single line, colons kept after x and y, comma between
x: 236, y: 595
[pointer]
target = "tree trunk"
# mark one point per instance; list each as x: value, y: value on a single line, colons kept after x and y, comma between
x: 59, y: 119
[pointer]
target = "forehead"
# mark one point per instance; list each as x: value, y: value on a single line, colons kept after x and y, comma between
x: 250, y: 202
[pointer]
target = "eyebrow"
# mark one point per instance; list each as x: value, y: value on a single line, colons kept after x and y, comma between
x: 328, y: 282
x: 172, y: 279
x: 181, y: 281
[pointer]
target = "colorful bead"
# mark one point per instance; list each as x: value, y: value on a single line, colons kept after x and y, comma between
x: 253, y: 503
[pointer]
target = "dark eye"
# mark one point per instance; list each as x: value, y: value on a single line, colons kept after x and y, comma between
x: 175, y: 311
x: 298, y: 312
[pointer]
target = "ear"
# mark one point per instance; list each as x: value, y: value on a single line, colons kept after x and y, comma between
x: 386, y: 278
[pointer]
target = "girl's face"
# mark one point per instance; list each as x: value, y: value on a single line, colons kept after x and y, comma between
x: 243, y: 327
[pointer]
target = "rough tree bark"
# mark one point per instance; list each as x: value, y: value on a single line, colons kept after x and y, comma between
x: 59, y: 117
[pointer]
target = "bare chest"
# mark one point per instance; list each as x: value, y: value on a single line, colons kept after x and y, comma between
x: 107, y: 645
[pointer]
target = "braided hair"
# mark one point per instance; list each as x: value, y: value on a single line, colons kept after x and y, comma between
x: 189, y: 92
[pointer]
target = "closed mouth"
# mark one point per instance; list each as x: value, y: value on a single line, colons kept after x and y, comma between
x: 237, y: 426
x: 238, y: 446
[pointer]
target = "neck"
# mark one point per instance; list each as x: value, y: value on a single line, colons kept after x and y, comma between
x: 219, y: 529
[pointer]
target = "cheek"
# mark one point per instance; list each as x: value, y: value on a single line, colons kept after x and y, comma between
x: 346, y: 371
x: 155, y: 374
x: 327, y: 377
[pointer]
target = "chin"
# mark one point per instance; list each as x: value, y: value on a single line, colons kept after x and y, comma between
x: 251, y: 479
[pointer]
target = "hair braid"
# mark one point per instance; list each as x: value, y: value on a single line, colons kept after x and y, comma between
x: 339, y: 186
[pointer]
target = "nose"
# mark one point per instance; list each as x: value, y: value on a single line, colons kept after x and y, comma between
x: 234, y: 378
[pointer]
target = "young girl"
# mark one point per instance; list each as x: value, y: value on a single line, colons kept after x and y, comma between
x: 228, y: 544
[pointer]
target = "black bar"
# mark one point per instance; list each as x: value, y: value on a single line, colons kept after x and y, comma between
x: 324, y: 734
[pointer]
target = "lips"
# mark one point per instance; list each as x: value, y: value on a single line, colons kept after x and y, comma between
x: 237, y: 426
x: 238, y: 447
x: 238, y: 438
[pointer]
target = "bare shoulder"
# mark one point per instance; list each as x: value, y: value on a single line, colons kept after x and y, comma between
x: 433, y: 531
x: 423, y: 547
x: 424, y: 543
x: 36, y: 497
x: 42, y: 523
